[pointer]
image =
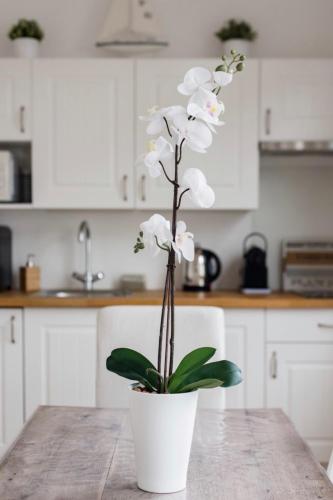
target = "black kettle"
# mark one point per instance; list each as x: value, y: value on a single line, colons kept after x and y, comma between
x: 255, y: 273
x: 202, y: 271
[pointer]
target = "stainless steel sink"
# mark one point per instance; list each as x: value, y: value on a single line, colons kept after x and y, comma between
x: 61, y: 294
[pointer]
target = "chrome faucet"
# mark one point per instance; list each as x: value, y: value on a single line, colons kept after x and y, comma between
x: 87, y: 278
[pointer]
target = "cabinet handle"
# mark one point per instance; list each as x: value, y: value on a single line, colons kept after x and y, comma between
x: 143, y: 188
x: 273, y: 367
x: 268, y: 117
x: 12, y: 330
x: 327, y: 326
x: 125, y: 179
x: 22, y: 119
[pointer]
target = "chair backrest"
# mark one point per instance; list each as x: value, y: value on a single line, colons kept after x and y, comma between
x: 330, y: 468
x: 137, y: 327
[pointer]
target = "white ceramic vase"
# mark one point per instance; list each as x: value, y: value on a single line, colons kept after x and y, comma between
x: 162, y: 427
x: 242, y: 46
x: 26, y: 47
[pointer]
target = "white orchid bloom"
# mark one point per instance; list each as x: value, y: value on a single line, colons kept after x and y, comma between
x: 200, y: 192
x: 194, y: 79
x: 159, y: 149
x: 222, y: 78
x: 156, y: 230
x: 197, y: 135
x: 205, y: 106
x: 183, y: 244
x: 156, y: 118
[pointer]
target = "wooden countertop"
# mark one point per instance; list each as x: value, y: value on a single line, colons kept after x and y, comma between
x: 225, y: 299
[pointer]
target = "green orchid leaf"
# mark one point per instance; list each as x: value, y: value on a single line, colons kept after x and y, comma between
x: 206, y: 383
x: 190, y: 362
x: 227, y: 372
x: 132, y: 365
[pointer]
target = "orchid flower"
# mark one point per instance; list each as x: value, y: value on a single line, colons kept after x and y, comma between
x: 159, y: 149
x: 197, y: 135
x: 200, y: 193
x: 183, y: 244
x: 205, y: 106
x: 222, y: 78
x: 156, y: 232
x: 156, y: 118
x: 194, y: 79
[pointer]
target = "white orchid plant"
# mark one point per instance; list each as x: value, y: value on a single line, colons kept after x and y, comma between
x: 174, y: 128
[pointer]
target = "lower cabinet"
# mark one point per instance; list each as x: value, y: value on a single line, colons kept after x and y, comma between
x: 245, y: 346
x: 300, y: 373
x: 60, y: 357
x: 11, y: 376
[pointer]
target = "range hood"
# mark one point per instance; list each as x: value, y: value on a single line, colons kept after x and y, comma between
x: 296, y: 147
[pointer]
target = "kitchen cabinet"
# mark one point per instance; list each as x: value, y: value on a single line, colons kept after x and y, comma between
x: 83, y: 133
x: 231, y: 163
x: 296, y: 100
x: 60, y: 357
x: 11, y: 376
x: 15, y: 100
x: 245, y: 346
x: 300, y: 372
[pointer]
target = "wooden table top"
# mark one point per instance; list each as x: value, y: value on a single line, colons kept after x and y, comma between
x: 226, y: 299
x: 87, y: 453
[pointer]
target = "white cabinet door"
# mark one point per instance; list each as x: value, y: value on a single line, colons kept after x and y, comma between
x: 11, y: 376
x: 15, y: 100
x: 245, y: 346
x: 83, y: 133
x: 231, y: 163
x: 60, y: 363
x: 300, y: 381
x: 296, y: 100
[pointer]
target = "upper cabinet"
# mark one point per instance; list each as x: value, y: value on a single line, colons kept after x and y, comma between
x: 296, y: 100
x: 15, y: 100
x: 83, y: 133
x: 231, y: 163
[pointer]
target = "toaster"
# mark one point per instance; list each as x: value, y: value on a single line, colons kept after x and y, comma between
x: 8, y: 178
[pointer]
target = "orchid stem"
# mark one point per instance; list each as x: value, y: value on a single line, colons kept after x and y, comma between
x: 165, y: 173
x: 167, y: 126
x: 180, y: 198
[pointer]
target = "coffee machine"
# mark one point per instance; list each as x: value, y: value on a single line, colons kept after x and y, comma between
x: 5, y: 258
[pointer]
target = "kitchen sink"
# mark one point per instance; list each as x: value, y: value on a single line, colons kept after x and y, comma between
x: 61, y: 294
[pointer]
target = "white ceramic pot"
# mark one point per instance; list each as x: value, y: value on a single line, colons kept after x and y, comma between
x: 26, y: 47
x: 242, y: 46
x: 162, y: 429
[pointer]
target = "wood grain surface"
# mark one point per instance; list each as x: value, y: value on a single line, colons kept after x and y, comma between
x: 87, y: 453
x: 225, y: 299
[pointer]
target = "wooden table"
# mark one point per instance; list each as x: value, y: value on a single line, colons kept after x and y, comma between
x: 87, y: 454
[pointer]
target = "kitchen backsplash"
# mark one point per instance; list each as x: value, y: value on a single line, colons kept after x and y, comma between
x: 295, y: 201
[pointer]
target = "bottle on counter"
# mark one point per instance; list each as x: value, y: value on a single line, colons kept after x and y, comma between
x: 30, y: 276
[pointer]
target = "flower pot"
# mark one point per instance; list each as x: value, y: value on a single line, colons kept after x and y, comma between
x: 162, y: 427
x: 26, y: 47
x: 242, y: 46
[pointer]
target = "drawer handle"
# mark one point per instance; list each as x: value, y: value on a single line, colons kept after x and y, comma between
x: 12, y: 330
x: 268, y: 116
x: 125, y: 178
x: 273, y: 365
x: 143, y: 188
x: 327, y: 326
x: 22, y: 119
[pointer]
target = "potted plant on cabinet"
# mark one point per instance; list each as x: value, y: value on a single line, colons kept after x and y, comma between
x: 237, y: 35
x: 26, y: 36
x: 163, y: 398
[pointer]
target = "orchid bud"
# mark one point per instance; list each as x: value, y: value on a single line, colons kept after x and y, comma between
x: 242, y: 57
x: 240, y: 67
x: 233, y: 52
x: 224, y: 58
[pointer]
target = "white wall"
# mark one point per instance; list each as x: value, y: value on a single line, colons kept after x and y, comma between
x: 288, y: 28
x: 296, y: 199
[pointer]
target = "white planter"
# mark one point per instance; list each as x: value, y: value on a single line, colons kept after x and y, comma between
x: 242, y: 46
x: 162, y: 429
x: 26, y: 47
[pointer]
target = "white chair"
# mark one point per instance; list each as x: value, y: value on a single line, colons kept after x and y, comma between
x: 137, y: 327
x: 330, y: 468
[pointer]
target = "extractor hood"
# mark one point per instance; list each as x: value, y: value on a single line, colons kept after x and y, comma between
x: 296, y: 147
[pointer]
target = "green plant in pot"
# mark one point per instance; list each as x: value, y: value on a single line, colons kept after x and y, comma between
x: 237, y: 35
x: 163, y: 396
x: 26, y: 36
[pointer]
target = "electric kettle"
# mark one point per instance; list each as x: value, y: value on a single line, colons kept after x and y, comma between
x: 202, y: 271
